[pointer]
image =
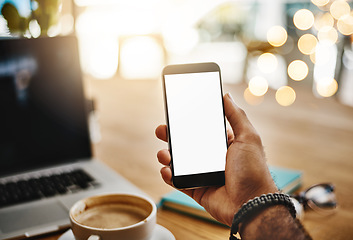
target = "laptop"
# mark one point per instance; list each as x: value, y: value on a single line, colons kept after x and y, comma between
x: 46, y: 161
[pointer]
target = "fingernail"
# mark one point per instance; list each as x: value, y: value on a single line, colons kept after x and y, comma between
x: 230, y: 96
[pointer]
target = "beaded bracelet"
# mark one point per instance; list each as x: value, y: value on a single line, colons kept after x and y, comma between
x: 257, y: 204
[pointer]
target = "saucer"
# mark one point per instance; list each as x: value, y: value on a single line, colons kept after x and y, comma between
x: 159, y: 233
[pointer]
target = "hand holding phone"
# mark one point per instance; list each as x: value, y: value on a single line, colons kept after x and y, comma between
x: 197, y: 134
x: 247, y: 175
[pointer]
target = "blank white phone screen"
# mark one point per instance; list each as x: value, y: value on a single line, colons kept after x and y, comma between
x: 196, y: 122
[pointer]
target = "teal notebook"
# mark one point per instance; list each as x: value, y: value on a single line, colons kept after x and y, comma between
x: 287, y: 180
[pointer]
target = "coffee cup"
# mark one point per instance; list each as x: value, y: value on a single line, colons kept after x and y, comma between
x: 113, y: 217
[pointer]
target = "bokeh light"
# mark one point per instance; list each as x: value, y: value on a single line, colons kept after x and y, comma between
x: 277, y: 36
x: 34, y: 28
x: 103, y: 58
x: 328, y: 35
x: 324, y: 53
x: 320, y: 3
x: 303, y: 19
x: 323, y: 20
x: 307, y: 44
x: 258, y: 86
x: 141, y: 57
x: 267, y: 62
x: 251, y: 98
x: 67, y: 24
x: 179, y: 39
x: 285, y: 96
x: 298, y: 70
x: 327, y: 88
x: 339, y: 8
x: 345, y: 25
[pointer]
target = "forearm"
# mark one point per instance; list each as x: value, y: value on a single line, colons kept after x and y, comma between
x: 273, y: 223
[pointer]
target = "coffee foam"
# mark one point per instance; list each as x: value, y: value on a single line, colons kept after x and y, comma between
x: 109, y: 216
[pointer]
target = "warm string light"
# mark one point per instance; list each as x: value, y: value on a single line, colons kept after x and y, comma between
x: 345, y: 24
x: 307, y: 44
x: 258, y: 86
x: 323, y: 20
x: 327, y: 88
x: 285, y: 96
x: 320, y: 3
x: 328, y: 35
x: 277, y: 36
x: 267, y: 62
x: 298, y: 70
x: 303, y: 19
x: 335, y: 18
x: 339, y: 8
x: 251, y: 98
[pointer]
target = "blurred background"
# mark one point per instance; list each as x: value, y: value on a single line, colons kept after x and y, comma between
x: 277, y: 45
x: 288, y: 64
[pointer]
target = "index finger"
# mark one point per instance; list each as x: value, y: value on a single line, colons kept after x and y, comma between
x: 161, y: 132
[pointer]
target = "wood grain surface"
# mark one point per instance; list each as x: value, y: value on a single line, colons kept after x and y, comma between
x: 313, y: 135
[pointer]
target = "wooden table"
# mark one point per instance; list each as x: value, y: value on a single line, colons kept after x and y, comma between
x: 313, y: 135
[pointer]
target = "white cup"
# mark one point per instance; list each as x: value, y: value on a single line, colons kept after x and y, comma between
x: 113, y: 217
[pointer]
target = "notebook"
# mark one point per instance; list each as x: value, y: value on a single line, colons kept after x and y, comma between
x: 46, y: 161
x: 287, y: 180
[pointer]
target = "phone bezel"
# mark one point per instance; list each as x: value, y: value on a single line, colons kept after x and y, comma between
x: 202, y: 179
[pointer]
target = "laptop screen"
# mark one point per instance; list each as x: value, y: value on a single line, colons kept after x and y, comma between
x: 42, y: 106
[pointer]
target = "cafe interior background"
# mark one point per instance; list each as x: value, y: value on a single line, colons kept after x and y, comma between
x: 283, y: 59
x: 274, y: 53
x: 280, y: 46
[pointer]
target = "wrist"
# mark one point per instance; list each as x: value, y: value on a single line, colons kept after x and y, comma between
x: 250, y: 228
x: 274, y: 223
x: 257, y: 206
x: 249, y: 195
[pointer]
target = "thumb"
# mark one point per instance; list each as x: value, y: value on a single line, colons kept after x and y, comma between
x: 235, y: 115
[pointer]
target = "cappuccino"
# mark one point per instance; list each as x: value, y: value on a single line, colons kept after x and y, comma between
x: 110, y: 216
x: 114, y: 217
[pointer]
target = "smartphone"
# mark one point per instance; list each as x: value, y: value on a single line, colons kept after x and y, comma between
x: 196, y: 124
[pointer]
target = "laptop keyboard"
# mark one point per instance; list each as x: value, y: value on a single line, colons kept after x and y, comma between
x: 21, y: 191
